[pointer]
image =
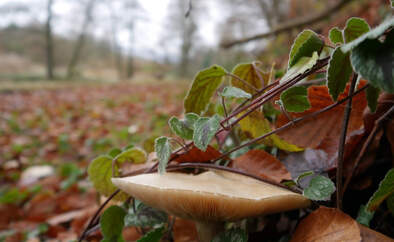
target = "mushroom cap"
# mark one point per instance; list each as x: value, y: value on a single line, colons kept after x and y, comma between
x: 210, y: 196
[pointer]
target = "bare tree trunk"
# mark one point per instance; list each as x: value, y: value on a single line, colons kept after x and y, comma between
x: 49, y: 42
x: 81, y: 40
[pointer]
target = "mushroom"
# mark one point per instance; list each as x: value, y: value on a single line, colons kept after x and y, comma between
x: 210, y: 198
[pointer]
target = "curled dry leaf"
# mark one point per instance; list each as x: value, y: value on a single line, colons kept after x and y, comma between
x: 330, y: 224
x: 312, y: 132
x: 262, y: 164
x: 196, y: 155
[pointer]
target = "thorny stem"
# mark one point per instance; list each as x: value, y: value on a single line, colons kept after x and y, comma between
x: 291, y: 123
x: 342, y: 140
x: 371, y: 135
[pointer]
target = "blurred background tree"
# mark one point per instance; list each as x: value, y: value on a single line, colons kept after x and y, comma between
x: 105, y: 40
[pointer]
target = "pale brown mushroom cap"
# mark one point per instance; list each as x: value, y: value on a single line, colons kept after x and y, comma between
x: 210, y: 196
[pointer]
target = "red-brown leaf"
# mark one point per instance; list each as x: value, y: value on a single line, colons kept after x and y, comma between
x: 196, y: 155
x: 262, y: 164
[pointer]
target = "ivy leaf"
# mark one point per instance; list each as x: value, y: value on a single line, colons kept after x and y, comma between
x: 338, y: 73
x: 364, y: 216
x: 305, y: 44
x: 233, y: 235
x: 372, y: 95
x: 320, y: 189
x: 163, y: 151
x: 145, y: 216
x: 204, y: 86
x: 184, y: 127
x: 134, y: 155
x: 374, y: 60
x: 235, y: 92
x: 386, y: 189
x: 112, y: 223
x: 303, y: 64
x: 255, y: 125
x: 295, y: 99
x: 204, y: 130
x: 251, y: 75
x: 355, y: 27
x: 372, y: 34
x: 100, y: 174
x: 336, y: 36
x: 114, y: 152
x: 153, y: 236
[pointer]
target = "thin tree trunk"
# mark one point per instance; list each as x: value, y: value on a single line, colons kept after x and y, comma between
x: 49, y: 42
x: 81, y: 40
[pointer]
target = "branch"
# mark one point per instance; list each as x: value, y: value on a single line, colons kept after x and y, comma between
x: 291, y: 24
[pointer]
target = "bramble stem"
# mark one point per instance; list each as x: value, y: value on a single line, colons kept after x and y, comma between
x: 342, y: 140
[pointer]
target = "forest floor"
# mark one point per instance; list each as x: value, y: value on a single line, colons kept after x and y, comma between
x: 57, y: 131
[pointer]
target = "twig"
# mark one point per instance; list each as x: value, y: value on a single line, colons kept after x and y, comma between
x: 342, y: 140
x: 371, y: 135
x: 291, y: 24
x: 90, y: 225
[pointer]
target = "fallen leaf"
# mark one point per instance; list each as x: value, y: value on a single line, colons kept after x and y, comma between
x: 196, y: 155
x: 312, y: 132
x: 262, y: 164
x: 327, y: 224
x: 331, y: 224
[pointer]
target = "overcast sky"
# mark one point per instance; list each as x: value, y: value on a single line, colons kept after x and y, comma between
x: 149, y: 29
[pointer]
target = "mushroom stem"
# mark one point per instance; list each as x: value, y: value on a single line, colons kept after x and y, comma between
x: 207, y: 230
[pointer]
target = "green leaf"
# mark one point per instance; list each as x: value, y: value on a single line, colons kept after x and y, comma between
x: 235, y: 92
x: 184, y: 128
x: 303, y: 64
x: 335, y: 36
x: 372, y: 94
x: 386, y: 189
x: 320, y: 189
x: 374, y: 60
x: 338, y: 73
x: 305, y: 44
x: 355, y: 27
x: 145, y: 216
x: 295, y: 99
x: 13, y: 196
x: 100, y: 174
x: 134, y: 155
x: 303, y: 175
x: 114, y: 152
x: 372, y: 34
x: 204, y: 86
x: 251, y: 75
x: 364, y: 216
x: 112, y: 223
x: 153, y: 235
x: 163, y: 151
x: 233, y: 235
x: 204, y: 130
x: 390, y: 203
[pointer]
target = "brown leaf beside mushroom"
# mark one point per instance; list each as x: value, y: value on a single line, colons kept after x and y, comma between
x: 262, y: 164
x: 330, y: 224
x: 312, y: 132
x: 196, y: 155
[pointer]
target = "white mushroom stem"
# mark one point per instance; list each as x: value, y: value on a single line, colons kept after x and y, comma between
x: 208, y: 230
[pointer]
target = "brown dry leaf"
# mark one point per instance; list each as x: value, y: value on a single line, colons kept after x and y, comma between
x: 327, y: 224
x: 196, y: 155
x: 262, y: 164
x: 390, y: 134
x: 330, y: 224
x: 312, y: 132
x: 184, y: 231
x: 130, y: 234
x: 385, y: 102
